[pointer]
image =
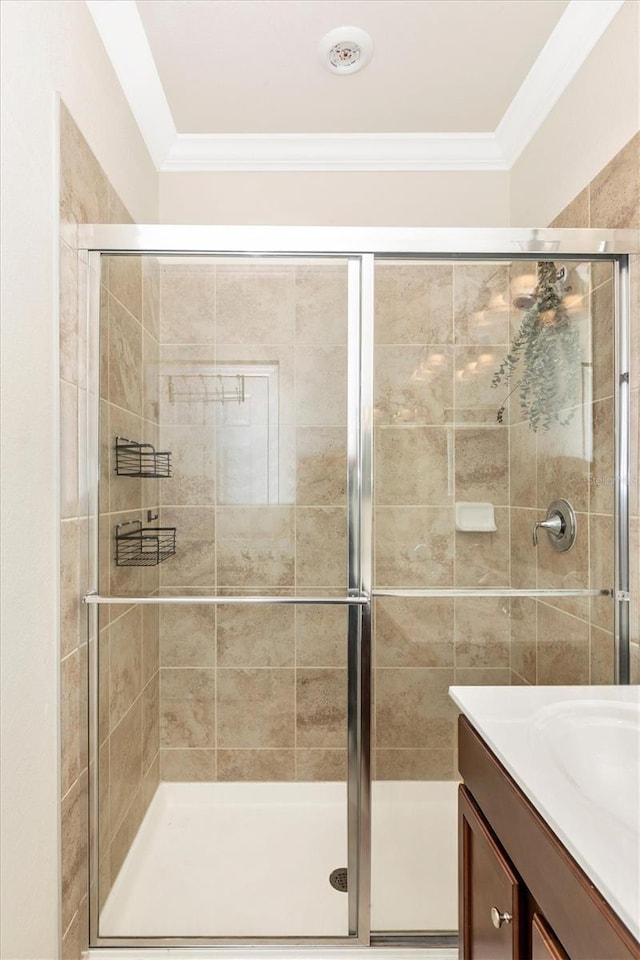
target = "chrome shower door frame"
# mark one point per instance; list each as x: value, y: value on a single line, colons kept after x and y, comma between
x: 360, y: 246
x: 356, y: 598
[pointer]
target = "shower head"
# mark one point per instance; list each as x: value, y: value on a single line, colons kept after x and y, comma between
x: 524, y: 302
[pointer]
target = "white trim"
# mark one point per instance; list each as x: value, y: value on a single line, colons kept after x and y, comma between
x: 125, y: 41
x: 358, y: 151
x: 574, y: 37
x: 576, y: 34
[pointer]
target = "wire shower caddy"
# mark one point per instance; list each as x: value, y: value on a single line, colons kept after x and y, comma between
x: 143, y: 546
x: 141, y: 459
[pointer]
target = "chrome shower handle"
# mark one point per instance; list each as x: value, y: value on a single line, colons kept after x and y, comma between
x: 554, y: 525
x: 560, y: 524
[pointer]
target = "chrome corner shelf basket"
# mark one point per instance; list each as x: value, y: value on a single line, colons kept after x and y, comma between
x: 143, y: 546
x: 141, y: 459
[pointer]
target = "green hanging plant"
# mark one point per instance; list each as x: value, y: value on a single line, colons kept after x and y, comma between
x: 548, y: 344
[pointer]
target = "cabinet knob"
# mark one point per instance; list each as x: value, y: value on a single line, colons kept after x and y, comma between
x: 497, y: 918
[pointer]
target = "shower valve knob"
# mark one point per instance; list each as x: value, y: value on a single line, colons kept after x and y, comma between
x: 560, y: 524
x: 553, y: 525
x: 498, y: 918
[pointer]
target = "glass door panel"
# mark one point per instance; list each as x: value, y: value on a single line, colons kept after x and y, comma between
x: 493, y: 399
x: 223, y: 727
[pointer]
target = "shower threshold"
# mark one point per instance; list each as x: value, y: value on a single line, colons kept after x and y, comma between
x: 253, y: 860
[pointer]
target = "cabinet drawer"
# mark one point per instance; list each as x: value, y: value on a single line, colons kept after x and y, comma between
x: 490, y: 890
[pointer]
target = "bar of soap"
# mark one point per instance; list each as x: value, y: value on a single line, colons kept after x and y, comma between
x: 472, y: 517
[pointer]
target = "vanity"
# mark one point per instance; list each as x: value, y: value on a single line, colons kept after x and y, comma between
x: 549, y: 823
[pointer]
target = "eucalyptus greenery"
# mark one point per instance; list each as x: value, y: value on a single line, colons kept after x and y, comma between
x: 548, y: 345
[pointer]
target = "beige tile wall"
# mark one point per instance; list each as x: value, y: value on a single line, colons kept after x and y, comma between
x: 440, y: 330
x: 128, y: 648
x: 611, y: 200
x: 254, y: 693
x: 128, y: 639
x: 438, y: 442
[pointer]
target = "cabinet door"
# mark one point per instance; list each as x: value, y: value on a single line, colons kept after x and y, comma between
x: 490, y: 890
x: 544, y: 943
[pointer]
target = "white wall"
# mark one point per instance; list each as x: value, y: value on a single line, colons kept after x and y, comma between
x: 337, y: 199
x: 595, y: 117
x: 47, y: 48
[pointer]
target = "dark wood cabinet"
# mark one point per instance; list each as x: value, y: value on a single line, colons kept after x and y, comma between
x: 490, y: 902
x: 544, y: 943
x: 522, y: 895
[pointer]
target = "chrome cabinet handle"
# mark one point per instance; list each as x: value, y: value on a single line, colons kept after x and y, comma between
x: 498, y: 919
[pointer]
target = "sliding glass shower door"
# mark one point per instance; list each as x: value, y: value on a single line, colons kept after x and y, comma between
x: 229, y: 684
x: 494, y: 407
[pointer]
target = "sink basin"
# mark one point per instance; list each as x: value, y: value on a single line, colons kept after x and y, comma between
x: 594, y: 746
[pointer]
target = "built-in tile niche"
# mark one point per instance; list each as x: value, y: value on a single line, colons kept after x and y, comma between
x: 441, y: 331
x: 252, y: 403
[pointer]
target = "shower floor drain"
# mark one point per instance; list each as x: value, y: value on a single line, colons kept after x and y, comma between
x: 338, y: 879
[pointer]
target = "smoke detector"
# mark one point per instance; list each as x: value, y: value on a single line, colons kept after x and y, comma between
x: 345, y: 49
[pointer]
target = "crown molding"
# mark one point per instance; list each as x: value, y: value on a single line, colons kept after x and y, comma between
x: 574, y: 37
x: 363, y: 152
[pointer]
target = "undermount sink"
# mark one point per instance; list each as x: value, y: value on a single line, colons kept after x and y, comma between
x: 594, y: 746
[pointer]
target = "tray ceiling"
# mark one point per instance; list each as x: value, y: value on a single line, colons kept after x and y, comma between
x: 238, y: 84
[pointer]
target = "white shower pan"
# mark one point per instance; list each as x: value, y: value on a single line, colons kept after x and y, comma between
x: 253, y: 860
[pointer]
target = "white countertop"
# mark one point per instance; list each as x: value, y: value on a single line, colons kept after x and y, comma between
x: 600, y: 828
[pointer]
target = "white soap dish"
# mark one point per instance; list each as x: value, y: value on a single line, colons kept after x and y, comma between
x: 472, y: 517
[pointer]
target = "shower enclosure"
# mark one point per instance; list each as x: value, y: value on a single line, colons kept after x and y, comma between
x: 315, y: 462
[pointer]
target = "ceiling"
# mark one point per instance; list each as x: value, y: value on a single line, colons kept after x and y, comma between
x: 239, y: 84
x: 252, y: 66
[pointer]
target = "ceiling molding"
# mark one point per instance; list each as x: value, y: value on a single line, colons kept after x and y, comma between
x: 120, y: 26
x: 578, y: 30
x: 127, y: 46
x: 363, y: 151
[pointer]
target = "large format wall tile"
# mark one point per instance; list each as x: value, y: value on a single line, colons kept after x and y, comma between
x: 255, y: 304
x: 482, y: 464
x: 188, y: 312
x: 256, y: 765
x: 256, y: 708
x: 321, y: 707
x: 615, y: 192
x: 414, y: 547
x: 413, y: 466
x: 563, y: 647
x: 413, y: 632
x: 321, y: 636
x: 321, y: 547
x: 413, y: 384
x: 321, y: 467
x: 255, y: 546
x: 256, y: 636
x: 321, y: 303
x: 414, y: 303
x: 413, y: 708
x: 482, y: 632
x: 481, y: 302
